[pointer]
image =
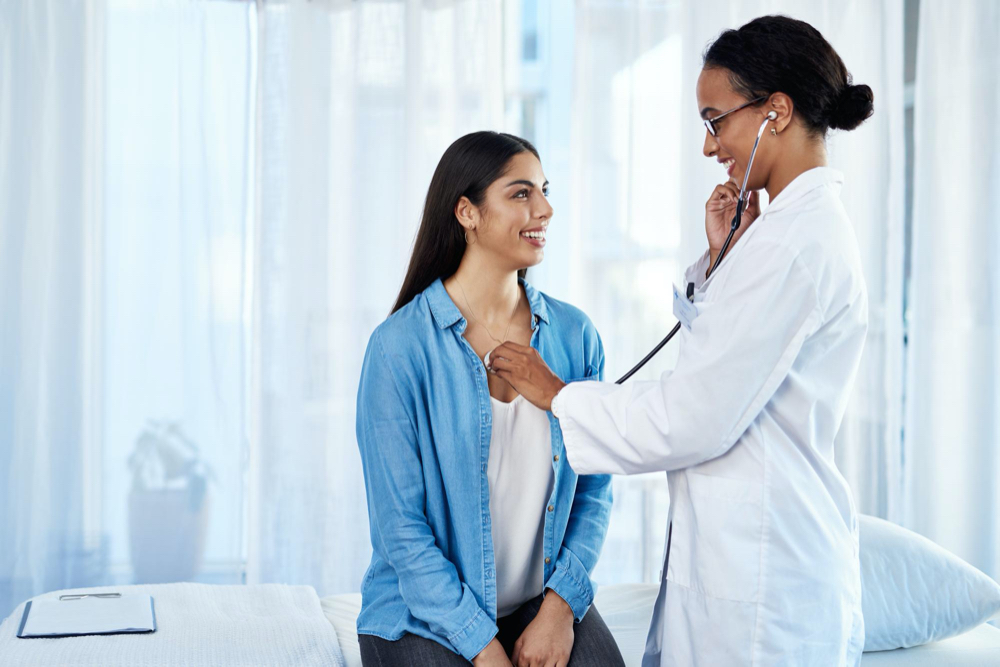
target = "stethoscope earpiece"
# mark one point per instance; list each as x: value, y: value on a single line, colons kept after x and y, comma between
x: 772, y: 115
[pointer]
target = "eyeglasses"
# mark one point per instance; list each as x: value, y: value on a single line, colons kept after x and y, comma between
x: 710, y: 122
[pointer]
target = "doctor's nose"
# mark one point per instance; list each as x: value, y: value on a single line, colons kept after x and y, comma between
x: 711, y: 146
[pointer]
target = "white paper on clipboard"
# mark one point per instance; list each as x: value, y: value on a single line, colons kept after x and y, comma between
x: 88, y: 616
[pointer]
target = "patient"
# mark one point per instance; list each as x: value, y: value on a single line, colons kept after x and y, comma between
x: 483, y: 540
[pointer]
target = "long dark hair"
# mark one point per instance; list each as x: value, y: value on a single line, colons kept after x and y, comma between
x: 779, y: 54
x: 466, y: 169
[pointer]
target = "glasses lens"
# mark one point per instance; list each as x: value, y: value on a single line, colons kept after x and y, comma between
x: 710, y: 127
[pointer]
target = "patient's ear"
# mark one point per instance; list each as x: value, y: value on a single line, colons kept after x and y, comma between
x: 467, y: 213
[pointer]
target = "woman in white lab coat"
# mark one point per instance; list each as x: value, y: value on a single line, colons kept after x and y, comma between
x: 761, y: 562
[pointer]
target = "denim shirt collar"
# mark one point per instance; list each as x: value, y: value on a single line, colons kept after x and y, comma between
x: 446, y: 313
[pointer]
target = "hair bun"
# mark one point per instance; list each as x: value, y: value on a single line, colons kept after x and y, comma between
x: 854, y: 105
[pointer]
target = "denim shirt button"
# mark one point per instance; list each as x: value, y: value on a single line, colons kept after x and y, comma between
x: 555, y: 458
x: 547, y: 560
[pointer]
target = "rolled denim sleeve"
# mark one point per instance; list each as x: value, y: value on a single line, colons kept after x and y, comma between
x: 588, y: 519
x: 429, y: 583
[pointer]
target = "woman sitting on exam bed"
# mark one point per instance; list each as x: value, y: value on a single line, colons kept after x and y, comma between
x: 483, y: 537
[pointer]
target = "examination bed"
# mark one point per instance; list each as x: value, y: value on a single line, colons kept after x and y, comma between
x: 626, y: 609
x: 276, y: 625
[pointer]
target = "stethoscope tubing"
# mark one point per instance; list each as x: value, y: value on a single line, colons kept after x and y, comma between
x: 733, y: 226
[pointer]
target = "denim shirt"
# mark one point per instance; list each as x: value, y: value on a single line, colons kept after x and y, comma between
x: 424, y: 423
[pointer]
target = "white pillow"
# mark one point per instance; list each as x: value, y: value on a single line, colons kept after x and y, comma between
x: 914, y: 592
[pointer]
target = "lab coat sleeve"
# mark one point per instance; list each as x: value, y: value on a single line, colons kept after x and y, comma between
x: 588, y: 518
x: 741, y: 347
x: 428, y: 582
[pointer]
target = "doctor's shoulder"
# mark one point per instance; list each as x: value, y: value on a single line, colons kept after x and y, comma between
x: 578, y: 335
x: 820, y: 239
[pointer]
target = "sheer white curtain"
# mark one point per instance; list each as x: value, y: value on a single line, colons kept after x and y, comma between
x: 953, y: 382
x: 123, y: 205
x: 206, y: 209
x: 625, y: 235
x: 637, y: 211
x: 178, y: 110
x: 49, y: 77
x: 357, y: 103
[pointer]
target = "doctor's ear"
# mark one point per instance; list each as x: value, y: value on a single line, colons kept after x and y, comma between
x: 779, y: 108
x: 467, y: 213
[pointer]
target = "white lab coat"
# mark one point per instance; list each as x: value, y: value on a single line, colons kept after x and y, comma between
x: 762, y: 553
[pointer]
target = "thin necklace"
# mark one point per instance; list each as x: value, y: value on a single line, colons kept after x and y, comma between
x: 476, y: 319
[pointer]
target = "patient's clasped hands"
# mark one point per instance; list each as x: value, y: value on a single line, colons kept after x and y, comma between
x: 546, y: 642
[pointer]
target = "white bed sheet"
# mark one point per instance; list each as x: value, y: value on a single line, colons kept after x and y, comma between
x: 627, y: 608
x: 198, y: 626
x: 342, y: 612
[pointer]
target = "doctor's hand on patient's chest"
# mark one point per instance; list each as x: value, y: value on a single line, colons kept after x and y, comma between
x: 525, y: 370
x: 719, y: 211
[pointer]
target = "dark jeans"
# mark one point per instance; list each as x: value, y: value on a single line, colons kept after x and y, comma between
x: 593, y: 645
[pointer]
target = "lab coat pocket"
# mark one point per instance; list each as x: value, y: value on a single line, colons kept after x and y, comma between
x: 724, y: 532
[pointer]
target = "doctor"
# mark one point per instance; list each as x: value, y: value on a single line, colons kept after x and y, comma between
x: 761, y: 562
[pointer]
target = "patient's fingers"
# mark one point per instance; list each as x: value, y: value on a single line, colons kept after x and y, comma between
x: 517, y: 651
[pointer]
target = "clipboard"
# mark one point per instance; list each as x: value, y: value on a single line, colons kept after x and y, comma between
x: 88, y: 614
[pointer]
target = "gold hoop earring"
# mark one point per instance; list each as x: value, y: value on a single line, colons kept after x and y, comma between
x: 774, y: 132
x: 467, y: 239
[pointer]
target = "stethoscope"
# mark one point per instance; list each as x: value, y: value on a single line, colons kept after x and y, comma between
x: 734, y: 225
x: 740, y: 203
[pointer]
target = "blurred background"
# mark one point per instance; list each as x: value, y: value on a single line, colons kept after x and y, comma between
x: 207, y: 206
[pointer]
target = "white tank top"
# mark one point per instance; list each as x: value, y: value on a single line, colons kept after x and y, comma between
x: 520, y: 476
